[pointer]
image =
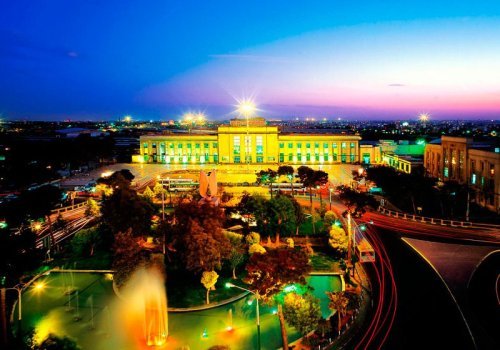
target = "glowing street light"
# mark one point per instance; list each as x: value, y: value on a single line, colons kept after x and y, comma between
x: 246, y: 108
x: 127, y: 118
x: 230, y: 285
x: 423, y: 117
x: 19, y: 289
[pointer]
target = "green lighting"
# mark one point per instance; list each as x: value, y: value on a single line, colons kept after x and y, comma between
x: 290, y: 288
x: 337, y: 223
x: 228, y: 285
x: 362, y: 227
x: 204, y: 335
x: 250, y: 302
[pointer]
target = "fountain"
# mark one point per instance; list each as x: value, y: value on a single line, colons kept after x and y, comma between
x: 90, y: 301
x: 230, y: 320
x: 143, y: 312
x: 77, y: 317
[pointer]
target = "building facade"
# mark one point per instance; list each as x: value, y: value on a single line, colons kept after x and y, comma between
x: 460, y: 159
x: 249, y: 142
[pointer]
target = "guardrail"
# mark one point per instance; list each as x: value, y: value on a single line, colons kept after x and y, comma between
x: 435, y: 221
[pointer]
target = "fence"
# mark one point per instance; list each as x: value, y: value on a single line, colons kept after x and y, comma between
x: 435, y: 221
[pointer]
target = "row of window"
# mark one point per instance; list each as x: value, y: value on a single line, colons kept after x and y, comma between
x: 316, y: 145
x: 180, y: 145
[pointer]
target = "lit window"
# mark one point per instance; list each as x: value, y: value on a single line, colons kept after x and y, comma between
x: 282, y: 145
x: 473, y: 179
x: 343, y: 145
x: 290, y: 145
x: 308, y: 145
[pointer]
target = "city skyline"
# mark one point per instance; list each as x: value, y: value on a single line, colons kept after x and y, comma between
x: 365, y: 61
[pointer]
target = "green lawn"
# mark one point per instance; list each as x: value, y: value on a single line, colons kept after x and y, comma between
x: 307, y: 228
x: 322, y: 262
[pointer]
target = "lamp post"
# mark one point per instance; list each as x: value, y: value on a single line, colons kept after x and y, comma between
x: 19, y: 289
x: 246, y: 108
x: 230, y: 285
x: 330, y: 190
x: 318, y: 190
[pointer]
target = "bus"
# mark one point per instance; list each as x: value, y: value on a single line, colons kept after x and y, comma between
x: 179, y: 185
x: 287, y: 187
x: 364, y: 251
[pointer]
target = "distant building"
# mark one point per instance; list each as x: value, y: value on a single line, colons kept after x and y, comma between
x: 249, y: 141
x: 402, y: 155
x: 462, y: 160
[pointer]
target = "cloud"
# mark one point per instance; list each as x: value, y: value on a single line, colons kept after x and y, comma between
x: 396, y: 85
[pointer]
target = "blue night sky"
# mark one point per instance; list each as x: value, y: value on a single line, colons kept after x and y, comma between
x: 98, y: 60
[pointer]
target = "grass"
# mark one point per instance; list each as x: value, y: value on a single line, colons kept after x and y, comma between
x: 322, y: 262
x: 307, y: 228
x: 186, y: 291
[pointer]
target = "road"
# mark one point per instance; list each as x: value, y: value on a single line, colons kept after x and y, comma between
x: 427, y: 317
x: 411, y: 228
x: 67, y: 231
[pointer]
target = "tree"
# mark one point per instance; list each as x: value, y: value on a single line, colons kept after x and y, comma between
x: 252, y: 238
x: 288, y: 171
x: 53, y: 342
x: 256, y: 248
x: 338, y: 239
x: 84, y: 243
x: 329, y: 218
x: 124, y: 209
x: 256, y: 205
x: 148, y: 193
x: 300, y: 218
x: 338, y: 302
x: 267, y: 176
x: 355, y: 201
x: 302, y: 312
x: 269, y: 273
x: 281, y: 213
x: 312, y: 178
x: 198, y: 236
x: 236, y: 258
x: 91, y: 208
x: 128, y: 255
x: 236, y: 255
x: 159, y: 190
x: 209, y: 279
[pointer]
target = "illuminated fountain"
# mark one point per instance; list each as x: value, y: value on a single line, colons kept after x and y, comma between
x: 144, y: 308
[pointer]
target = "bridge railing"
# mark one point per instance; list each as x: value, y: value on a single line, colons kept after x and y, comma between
x: 435, y: 221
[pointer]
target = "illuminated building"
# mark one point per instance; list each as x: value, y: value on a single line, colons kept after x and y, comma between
x: 249, y: 141
x: 466, y: 162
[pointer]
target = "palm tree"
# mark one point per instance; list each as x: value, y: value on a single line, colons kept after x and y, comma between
x: 288, y: 171
x: 338, y: 301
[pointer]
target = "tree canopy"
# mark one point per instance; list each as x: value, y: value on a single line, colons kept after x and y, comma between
x: 269, y: 273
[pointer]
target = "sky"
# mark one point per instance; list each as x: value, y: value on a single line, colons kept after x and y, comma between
x: 97, y: 60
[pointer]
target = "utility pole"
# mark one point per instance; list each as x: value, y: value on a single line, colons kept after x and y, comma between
x: 349, y: 241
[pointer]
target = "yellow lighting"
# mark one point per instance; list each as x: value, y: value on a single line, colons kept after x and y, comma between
x: 106, y: 174
x: 39, y: 286
x: 246, y: 108
x: 423, y: 117
x: 128, y: 118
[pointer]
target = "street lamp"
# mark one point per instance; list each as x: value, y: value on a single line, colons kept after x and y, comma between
x: 331, y: 190
x: 19, y: 289
x: 246, y: 108
x: 230, y: 285
x: 318, y: 190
